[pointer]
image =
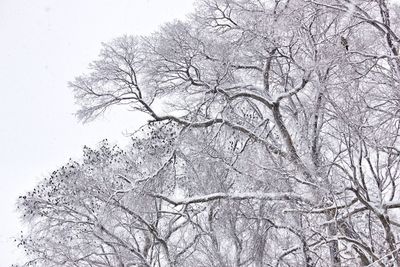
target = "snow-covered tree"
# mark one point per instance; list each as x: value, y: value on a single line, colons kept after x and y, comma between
x: 272, y: 141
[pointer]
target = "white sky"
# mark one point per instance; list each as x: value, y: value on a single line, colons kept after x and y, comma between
x: 44, y: 44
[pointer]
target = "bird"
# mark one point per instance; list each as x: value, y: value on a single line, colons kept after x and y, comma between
x: 344, y: 42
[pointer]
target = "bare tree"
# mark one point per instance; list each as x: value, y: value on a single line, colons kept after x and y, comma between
x: 283, y: 151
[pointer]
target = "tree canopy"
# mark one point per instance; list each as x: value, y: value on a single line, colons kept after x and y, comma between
x: 272, y: 141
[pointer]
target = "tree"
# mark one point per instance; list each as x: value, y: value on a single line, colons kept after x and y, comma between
x: 277, y: 146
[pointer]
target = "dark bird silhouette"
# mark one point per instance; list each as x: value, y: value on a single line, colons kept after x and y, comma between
x: 344, y: 42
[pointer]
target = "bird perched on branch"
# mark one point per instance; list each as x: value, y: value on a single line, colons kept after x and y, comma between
x: 345, y: 43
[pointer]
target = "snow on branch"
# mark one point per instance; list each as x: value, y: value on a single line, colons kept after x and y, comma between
x: 295, y: 90
x: 235, y: 196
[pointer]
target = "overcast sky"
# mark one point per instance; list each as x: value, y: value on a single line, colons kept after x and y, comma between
x: 44, y: 44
